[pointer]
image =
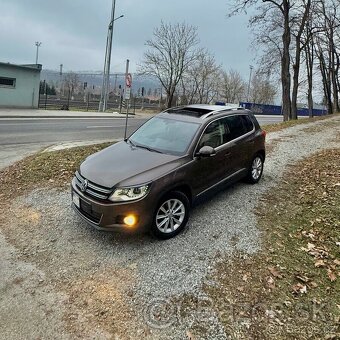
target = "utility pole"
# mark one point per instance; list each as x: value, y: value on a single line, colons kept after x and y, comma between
x: 160, y: 98
x: 38, y: 44
x: 61, y: 80
x: 250, y: 72
x: 115, y: 85
x: 127, y: 96
x: 107, y: 62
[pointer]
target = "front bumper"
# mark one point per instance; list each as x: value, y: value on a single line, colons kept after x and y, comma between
x: 108, y: 216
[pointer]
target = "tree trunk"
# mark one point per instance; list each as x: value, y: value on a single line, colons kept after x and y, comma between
x: 285, y: 64
x: 170, y: 97
x: 296, y: 68
x: 309, y: 62
x: 337, y: 80
x: 329, y: 71
x: 326, y: 83
x: 298, y: 58
x: 333, y: 72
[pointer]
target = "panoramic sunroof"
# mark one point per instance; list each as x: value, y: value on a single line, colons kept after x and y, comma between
x: 189, y: 111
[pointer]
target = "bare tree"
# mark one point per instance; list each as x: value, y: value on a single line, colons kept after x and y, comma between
x: 232, y: 86
x: 262, y: 90
x: 71, y: 82
x: 327, y: 51
x: 283, y: 9
x: 200, y: 83
x: 171, y: 52
x: 267, y: 29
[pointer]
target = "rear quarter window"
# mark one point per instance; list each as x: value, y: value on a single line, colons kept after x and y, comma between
x: 247, y: 122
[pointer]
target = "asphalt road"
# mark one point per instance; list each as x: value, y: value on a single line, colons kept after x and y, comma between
x: 48, y: 130
x: 39, y: 130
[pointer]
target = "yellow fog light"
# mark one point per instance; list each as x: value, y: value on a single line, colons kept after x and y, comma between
x: 130, y: 220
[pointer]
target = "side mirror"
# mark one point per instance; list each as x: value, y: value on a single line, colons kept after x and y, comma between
x: 206, y: 151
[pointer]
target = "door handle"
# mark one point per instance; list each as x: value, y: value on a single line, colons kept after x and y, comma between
x: 227, y: 154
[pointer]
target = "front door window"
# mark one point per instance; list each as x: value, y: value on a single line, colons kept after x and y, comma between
x: 213, y: 135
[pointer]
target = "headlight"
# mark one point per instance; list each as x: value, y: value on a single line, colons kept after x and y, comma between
x: 129, y: 194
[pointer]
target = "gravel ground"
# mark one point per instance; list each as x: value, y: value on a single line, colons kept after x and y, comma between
x: 60, y: 278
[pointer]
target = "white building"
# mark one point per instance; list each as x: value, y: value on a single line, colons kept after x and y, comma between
x: 19, y: 85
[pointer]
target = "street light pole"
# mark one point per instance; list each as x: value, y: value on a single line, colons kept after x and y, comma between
x: 38, y: 44
x: 250, y: 72
x: 107, y: 63
x: 61, y: 87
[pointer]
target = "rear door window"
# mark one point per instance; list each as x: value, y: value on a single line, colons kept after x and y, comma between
x: 234, y: 127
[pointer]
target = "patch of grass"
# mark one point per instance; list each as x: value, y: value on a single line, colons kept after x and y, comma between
x: 283, y: 125
x: 54, y: 168
x: 290, y: 289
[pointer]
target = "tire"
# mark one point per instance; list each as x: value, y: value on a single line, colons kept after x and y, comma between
x: 255, y: 170
x: 171, y: 215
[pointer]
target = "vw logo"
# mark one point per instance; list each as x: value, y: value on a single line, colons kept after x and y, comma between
x: 83, y: 185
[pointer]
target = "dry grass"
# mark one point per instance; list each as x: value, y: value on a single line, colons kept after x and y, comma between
x: 291, y: 288
x: 42, y: 169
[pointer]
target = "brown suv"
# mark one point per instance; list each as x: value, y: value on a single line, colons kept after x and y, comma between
x: 150, y: 180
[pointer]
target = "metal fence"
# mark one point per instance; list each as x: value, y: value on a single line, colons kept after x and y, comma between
x: 277, y: 110
x: 88, y: 103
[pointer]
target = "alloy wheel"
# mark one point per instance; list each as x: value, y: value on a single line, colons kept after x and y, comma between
x: 170, y: 216
x: 256, y: 168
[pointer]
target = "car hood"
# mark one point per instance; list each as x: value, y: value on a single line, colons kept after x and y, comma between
x: 121, y: 164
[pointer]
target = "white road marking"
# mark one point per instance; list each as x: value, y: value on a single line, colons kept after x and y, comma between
x: 65, y: 118
x: 104, y: 126
x: 38, y: 123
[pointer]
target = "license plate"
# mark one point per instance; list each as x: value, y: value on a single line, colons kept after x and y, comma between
x: 76, y: 201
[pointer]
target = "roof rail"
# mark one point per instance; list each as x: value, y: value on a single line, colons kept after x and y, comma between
x: 207, y: 115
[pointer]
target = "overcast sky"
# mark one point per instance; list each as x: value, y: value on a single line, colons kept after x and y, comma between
x: 73, y: 32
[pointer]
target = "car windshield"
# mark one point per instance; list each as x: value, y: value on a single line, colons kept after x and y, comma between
x: 165, y: 135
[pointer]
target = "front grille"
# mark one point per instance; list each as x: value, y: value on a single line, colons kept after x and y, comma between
x: 87, y: 211
x: 91, y: 189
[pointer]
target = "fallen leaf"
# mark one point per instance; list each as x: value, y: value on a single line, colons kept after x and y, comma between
x: 331, y: 275
x: 299, y: 289
x: 313, y: 284
x: 302, y: 278
x: 318, y: 252
x: 319, y: 263
x: 275, y: 272
x: 270, y: 282
x: 310, y: 246
x: 337, y: 262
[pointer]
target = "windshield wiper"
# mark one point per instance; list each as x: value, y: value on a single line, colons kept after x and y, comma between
x: 131, y: 142
x: 147, y: 148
